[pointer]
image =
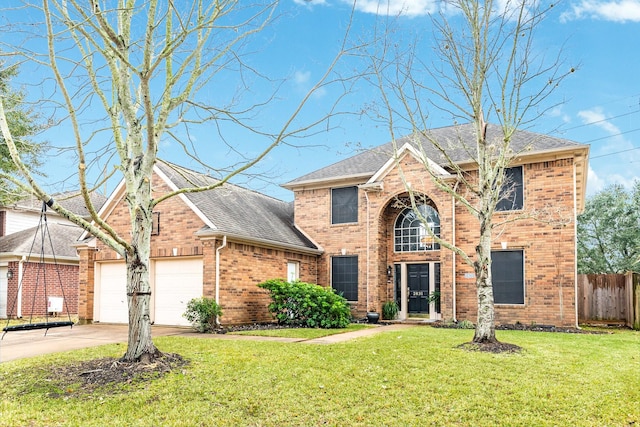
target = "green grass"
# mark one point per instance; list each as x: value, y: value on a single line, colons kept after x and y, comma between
x: 302, y: 333
x: 413, y: 377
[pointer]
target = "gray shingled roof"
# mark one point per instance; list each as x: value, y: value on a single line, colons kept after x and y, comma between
x: 458, y: 139
x: 63, y: 237
x: 70, y: 200
x: 238, y: 211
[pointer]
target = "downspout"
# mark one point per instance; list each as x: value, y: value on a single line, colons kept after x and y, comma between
x: 575, y: 245
x: 453, y: 268
x: 20, y: 273
x: 224, y: 245
x: 453, y: 241
x: 366, y: 195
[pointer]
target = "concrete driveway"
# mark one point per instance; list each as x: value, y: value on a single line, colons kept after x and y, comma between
x: 22, y: 344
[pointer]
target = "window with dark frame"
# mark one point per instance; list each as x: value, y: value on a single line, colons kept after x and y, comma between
x: 507, y: 271
x: 511, y: 193
x: 344, y: 276
x: 344, y: 205
x: 155, y: 227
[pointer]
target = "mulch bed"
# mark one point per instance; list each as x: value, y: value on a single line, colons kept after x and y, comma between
x: 491, y: 347
x: 82, y: 378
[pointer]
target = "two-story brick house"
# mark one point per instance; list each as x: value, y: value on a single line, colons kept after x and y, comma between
x: 349, y: 228
x: 376, y: 249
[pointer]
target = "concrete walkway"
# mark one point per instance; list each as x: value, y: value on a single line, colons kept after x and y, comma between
x: 24, y: 344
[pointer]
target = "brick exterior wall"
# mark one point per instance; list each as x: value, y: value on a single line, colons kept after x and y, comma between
x: 549, y: 250
x: 40, y: 282
x: 242, y: 265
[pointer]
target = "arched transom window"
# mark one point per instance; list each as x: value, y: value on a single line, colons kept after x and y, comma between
x: 411, y: 234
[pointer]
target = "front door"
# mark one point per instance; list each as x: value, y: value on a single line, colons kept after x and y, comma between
x: 418, y: 287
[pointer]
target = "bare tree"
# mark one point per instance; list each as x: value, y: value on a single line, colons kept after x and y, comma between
x: 135, y: 70
x: 485, y: 70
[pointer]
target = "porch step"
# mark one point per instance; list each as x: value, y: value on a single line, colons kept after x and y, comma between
x: 411, y: 321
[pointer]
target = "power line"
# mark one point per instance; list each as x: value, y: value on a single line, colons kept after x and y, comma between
x: 611, y: 136
x: 600, y: 121
x: 617, y: 152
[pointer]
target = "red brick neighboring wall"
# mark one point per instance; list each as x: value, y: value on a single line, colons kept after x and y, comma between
x: 549, y: 251
x: 40, y: 281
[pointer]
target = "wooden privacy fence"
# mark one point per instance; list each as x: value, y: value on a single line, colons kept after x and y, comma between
x: 609, y: 298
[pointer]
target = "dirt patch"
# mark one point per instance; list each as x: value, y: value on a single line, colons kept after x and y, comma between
x: 519, y: 327
x: 84, y: 377
x: 491, y: 347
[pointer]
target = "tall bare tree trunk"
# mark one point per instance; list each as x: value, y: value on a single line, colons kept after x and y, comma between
x: 485, y: 327
x: 140, y: 346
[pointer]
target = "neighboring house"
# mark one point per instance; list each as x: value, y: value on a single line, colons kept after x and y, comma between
x: 29, y: 273
x: 376, y: 250
x: 219, y: 243
x: 353, y: 232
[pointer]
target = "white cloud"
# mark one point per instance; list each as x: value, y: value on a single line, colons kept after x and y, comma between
x: 598, y: 118
x: 616, y: 11
x: 594, y: 182
x: 301, y: 77
x: 409, y: 8
x: 302, y: 82
x: 310, y: 3
x: 557, y: 112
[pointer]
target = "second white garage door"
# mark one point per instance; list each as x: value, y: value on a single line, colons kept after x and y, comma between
x: 176, y: 282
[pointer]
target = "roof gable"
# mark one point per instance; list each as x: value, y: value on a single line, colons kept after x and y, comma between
x: 237, y: 211
x: 407, y: 150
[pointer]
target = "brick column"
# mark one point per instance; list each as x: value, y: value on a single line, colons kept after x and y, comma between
x: 86, y: 284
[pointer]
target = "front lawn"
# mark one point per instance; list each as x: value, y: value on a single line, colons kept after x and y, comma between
x: 413, y: 377
x: 302, y: 333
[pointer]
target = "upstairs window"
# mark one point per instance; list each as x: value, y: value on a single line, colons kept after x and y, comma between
x: 344, y: 205
x: 511, y: 193
x: 411, y: 233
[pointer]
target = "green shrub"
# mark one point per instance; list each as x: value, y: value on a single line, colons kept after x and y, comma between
x: 307, y: 305
x: 203, y: 313
x: 389, y: 310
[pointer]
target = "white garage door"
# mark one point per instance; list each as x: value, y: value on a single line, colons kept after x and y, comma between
x: 176, y: 282
x: 112, y: 306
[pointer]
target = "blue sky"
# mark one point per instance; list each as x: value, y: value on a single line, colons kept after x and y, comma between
x: 598, y: 105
